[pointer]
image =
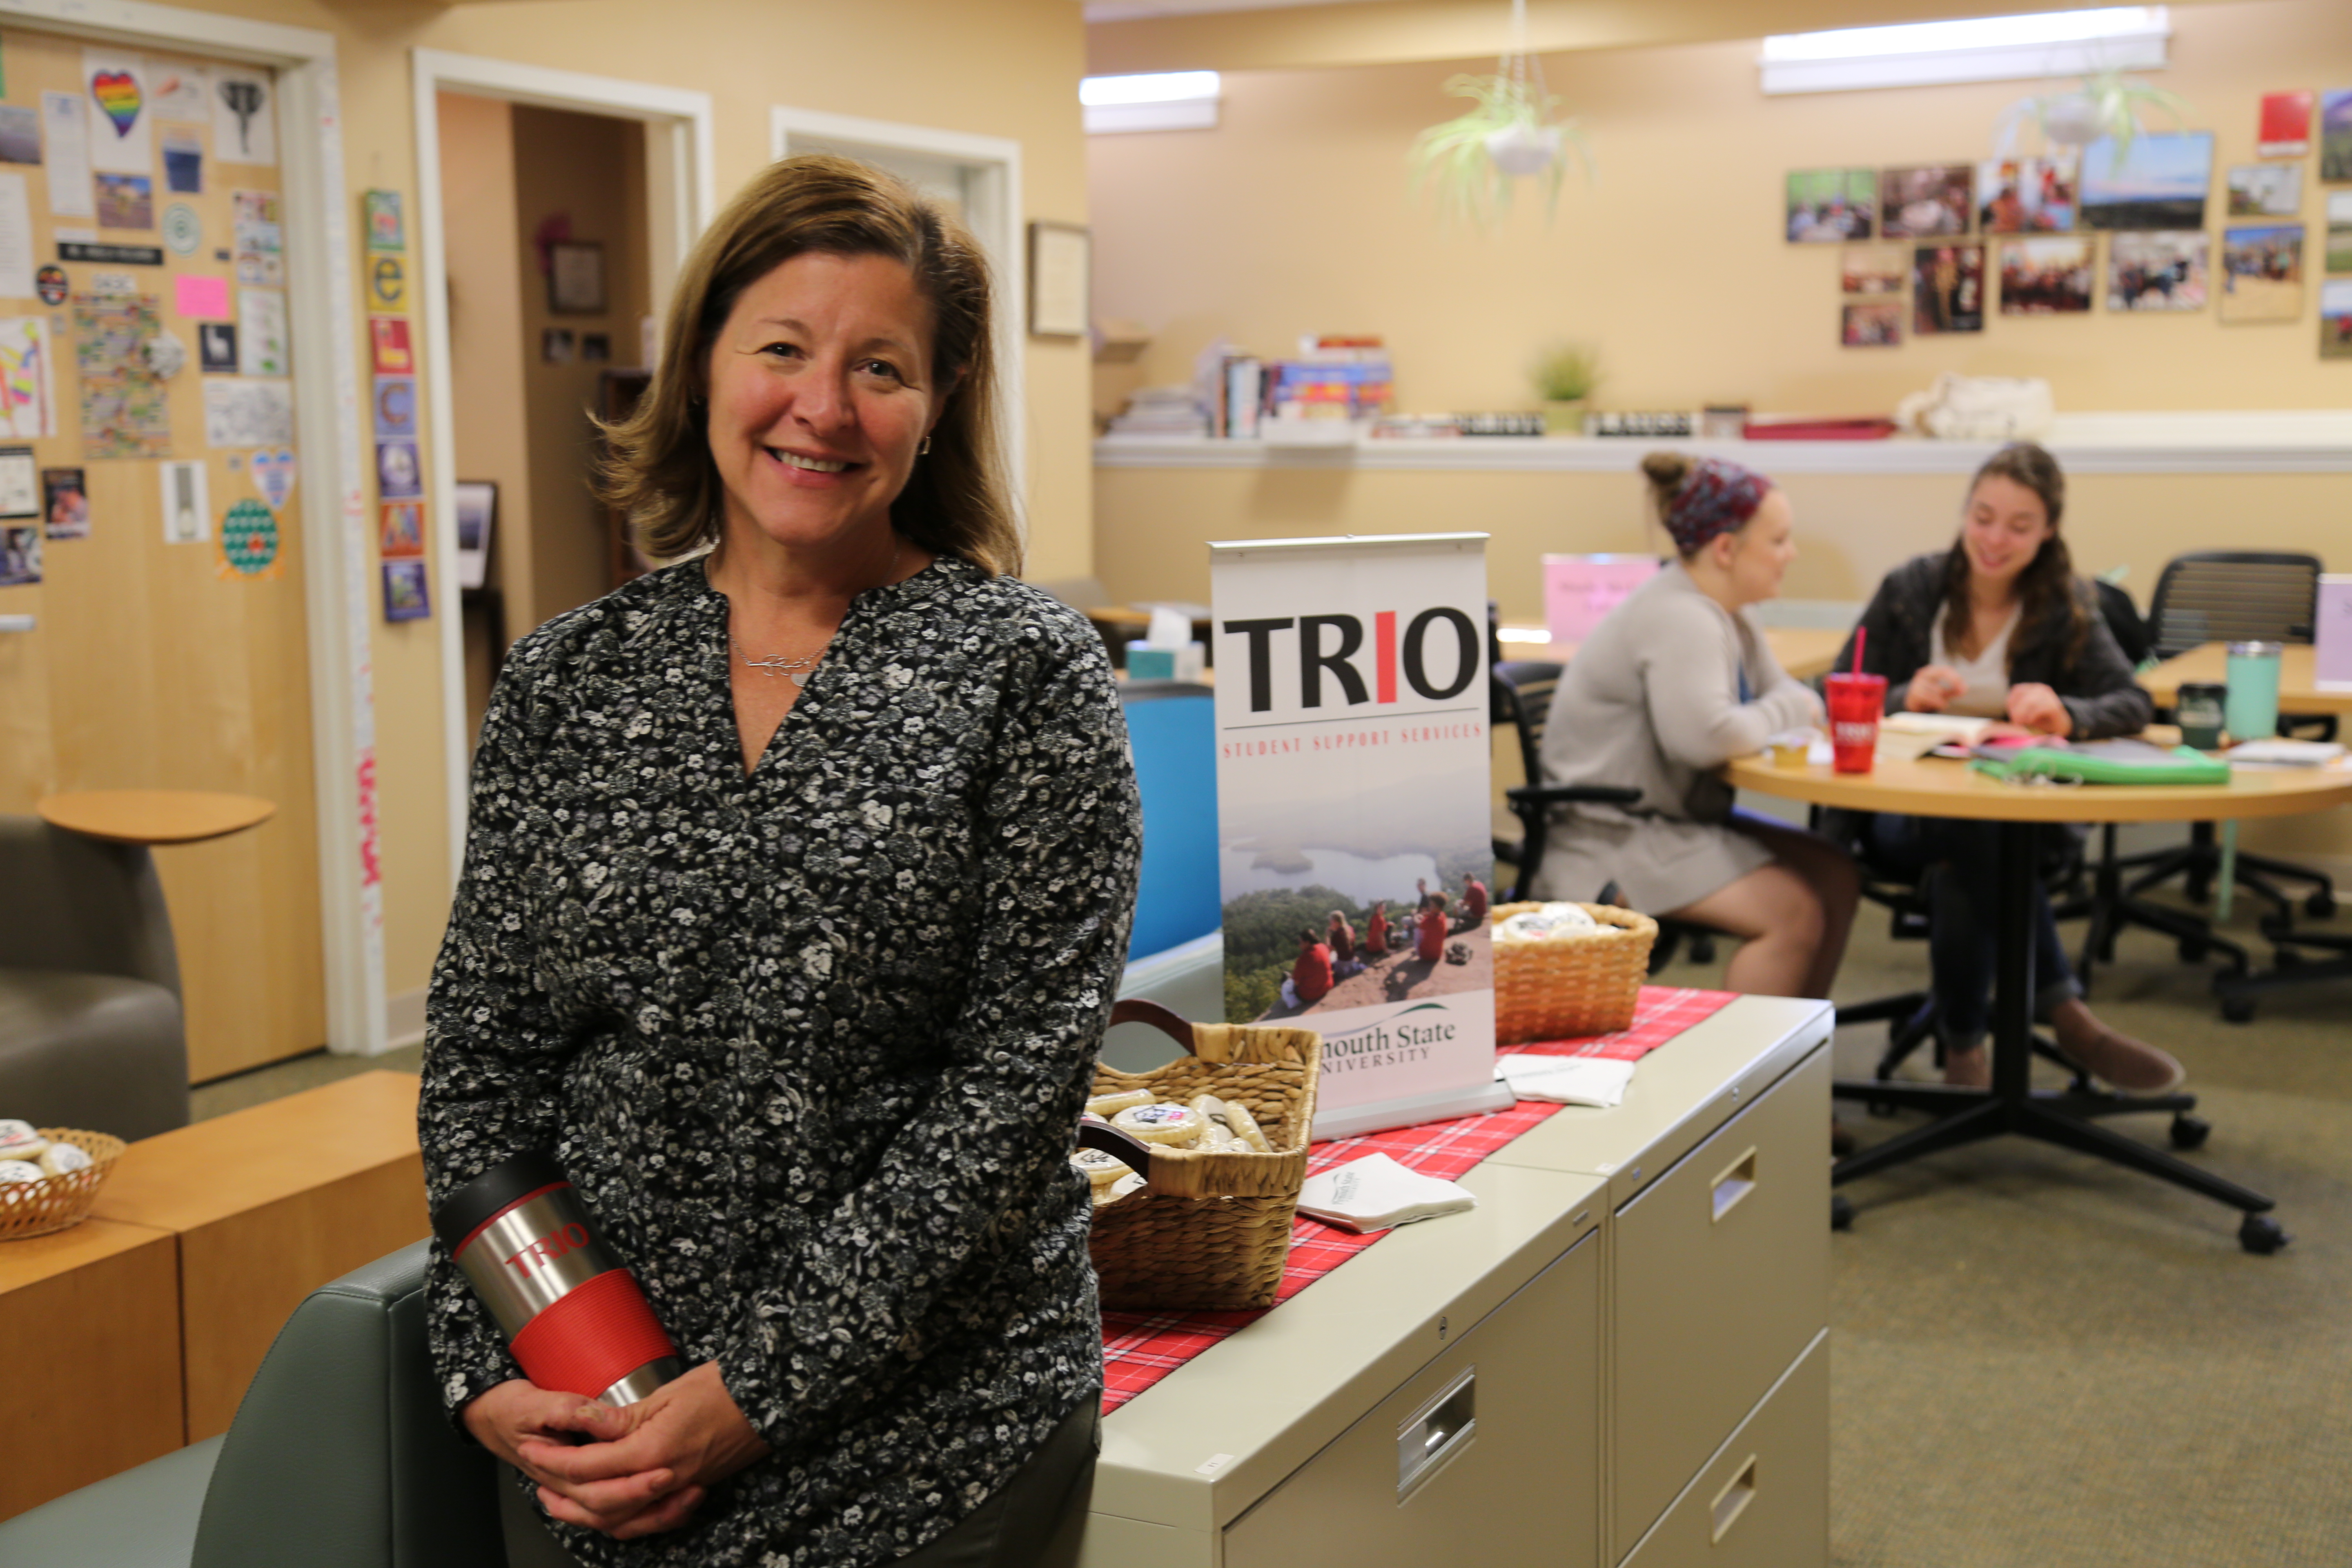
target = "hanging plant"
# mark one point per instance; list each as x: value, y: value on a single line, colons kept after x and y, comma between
x: 2103, y: 103
x: 1472, y: 161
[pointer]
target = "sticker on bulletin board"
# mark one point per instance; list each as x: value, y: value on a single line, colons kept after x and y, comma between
x: 388, y: 335
x: 396, y: 408
x: 184, y: 162
x: 387, y: 283
x: 398, y: 475
x: 405, y: 596
x: 248, y: 540
x: 187, y: 512
x: 20, y: 557
x: 273, y: 475
x: 400, y: 536
x: 183, y: 234
x: 216, y: 342
x: 245, y: 129
x: 65, y: 503
x: 385, y: 228
x: 20, y: 483
x: 123, y: 133
x: 51, y: 284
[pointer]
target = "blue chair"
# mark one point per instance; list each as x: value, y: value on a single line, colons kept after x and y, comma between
x: 1172, y: 725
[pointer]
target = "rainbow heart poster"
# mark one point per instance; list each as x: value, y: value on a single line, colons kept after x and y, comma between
x: 121, y: 121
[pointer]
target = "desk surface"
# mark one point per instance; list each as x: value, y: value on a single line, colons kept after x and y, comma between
x: 34, y: 1258
x: 207, y: 1171
x: 2298, y: 689
x: 155, y: 816
x: 1938, y: 787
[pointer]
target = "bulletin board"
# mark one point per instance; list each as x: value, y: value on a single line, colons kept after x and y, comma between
x: 149, y: 498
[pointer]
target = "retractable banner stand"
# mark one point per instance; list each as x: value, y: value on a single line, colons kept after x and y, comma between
x: 1353, y: 819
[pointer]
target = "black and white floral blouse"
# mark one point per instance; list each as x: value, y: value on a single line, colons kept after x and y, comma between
x: 812, y: 1042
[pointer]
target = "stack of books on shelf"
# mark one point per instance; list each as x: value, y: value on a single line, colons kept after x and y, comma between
x: 1169, y: 411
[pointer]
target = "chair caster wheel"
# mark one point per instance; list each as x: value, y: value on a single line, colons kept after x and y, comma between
x: 2260, y: 1234
x: 2319, y: 906
x: 1842, y: 1214
x: 2193, y: 950
x: 2238, y: 1009
x: 2190, y: 1132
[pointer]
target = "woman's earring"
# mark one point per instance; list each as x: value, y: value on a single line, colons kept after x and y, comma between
x: 925, y: 449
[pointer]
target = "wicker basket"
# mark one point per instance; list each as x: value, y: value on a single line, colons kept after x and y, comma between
x: 58, y: 1203
x: 1562, y: 987
x: 1213, y: 1231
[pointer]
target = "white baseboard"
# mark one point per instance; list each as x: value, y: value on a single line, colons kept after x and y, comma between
x: 403, y: 1019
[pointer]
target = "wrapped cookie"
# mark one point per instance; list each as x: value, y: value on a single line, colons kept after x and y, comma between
x: 64, y: 1159
x: 19, y: 1141
x: 1109, y: 1105
x: 1100, y: 1168
x: 1178, y: 1126
x: 15, y: 1170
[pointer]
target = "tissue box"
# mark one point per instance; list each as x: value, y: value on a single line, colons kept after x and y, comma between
x: 1145, y: 662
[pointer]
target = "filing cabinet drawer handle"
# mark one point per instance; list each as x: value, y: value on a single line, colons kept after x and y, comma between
x: 1735, y: 1182
x: 1733, y: 1501
x: 1440, y: 1430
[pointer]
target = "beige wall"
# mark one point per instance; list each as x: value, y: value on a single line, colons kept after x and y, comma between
x: 1293, y: 215
x: 589, y: 171
x: 1008, y: 68
x: 485, y: 350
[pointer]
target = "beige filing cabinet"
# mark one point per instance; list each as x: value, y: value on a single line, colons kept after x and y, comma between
x: 1715, y: 1260
x: 1582, y: 1366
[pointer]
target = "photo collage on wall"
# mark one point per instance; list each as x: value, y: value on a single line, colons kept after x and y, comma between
x: 1931, y: 249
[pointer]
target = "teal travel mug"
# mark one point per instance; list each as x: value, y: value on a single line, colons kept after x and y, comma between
x: 2252, y: 713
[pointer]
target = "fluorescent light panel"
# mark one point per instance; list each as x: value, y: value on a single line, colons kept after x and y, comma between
x: 1160, y: 100
x: 1985, y: 48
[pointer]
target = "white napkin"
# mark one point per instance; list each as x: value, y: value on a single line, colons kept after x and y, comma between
x: 1567, y: 1080
x: 1375, y: 1193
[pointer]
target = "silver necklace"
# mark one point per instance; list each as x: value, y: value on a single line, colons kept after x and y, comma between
x: 800, y: 669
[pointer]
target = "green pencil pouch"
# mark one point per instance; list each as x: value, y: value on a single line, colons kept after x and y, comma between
x: 2141, y: 763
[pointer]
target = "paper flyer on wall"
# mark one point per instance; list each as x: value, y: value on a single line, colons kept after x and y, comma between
x: 1353, y: 820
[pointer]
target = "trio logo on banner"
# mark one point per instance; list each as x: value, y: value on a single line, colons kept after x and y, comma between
x: 1353, y: 827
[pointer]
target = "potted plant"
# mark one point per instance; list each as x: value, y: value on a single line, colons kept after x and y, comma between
x: 1565, y: 375
x: 1508, y: 135
x: 2103, y: 103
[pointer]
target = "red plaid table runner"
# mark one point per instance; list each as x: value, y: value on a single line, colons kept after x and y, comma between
x: 1141, y: 1348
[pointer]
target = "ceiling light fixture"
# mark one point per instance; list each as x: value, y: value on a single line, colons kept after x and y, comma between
x: 1985, y: 48
x: 1157, y: 100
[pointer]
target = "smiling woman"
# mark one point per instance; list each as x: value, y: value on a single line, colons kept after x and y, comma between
x: 797, y: 884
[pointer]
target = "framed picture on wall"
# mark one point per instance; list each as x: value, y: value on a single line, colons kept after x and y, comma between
x: 575, y: 277
x: 477, y: 509
x: 1061, y: 263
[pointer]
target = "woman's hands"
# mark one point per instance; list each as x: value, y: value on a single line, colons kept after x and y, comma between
x: 2040, y: 710
x: 627, y: 1472
x: 1932, y: 689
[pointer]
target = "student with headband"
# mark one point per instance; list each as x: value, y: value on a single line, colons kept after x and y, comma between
x: 1675, y: 682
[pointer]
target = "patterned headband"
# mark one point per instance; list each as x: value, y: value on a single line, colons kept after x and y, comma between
x: 1717, y: 497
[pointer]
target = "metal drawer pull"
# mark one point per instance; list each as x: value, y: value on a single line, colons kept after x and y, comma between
x: 1735, y: 1182
x: 1733, y: 1500
x: 1443, y: 1427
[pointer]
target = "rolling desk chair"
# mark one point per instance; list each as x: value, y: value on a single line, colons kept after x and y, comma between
x: 2220, y: 595
x: 1520, y: 694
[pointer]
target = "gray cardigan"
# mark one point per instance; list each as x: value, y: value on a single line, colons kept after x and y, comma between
x: 1651, y: 702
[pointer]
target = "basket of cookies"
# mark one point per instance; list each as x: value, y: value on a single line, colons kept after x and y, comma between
x: 1225, y: 1128
x: 1567, y: 970
x: 49, y: 1176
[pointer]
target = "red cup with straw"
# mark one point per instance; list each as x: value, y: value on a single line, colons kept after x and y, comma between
x: 1855, y: 702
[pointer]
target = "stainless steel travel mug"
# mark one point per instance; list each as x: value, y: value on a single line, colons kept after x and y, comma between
x: 574, y: 1318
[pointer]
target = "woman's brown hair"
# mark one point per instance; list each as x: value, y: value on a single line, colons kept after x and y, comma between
x: 658, y: 469
x: 2045, y: 589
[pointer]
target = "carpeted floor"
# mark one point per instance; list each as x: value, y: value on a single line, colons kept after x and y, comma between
x: 2042, y: 1362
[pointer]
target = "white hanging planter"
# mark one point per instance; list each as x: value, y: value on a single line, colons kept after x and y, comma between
x: 1522, y: 150
x: 2072, y: 121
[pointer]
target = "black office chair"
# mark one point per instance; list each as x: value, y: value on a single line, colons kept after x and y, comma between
x: 1520, y: 694
x: 2220, y: 595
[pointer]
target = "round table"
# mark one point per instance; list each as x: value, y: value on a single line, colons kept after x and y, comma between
x: 155, y: 816
x: 1901, y: 780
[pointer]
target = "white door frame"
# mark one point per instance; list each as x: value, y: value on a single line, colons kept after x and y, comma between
x: 681, y: 191
x: 993, y: 213
x: 322, y: 302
